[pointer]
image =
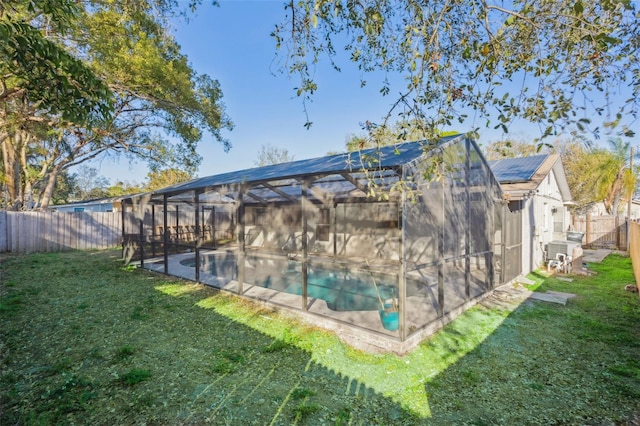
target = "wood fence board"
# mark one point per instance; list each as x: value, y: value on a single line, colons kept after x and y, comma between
x: 27, y: 232
x: 42, y: 230
x: 31, y: 228
x: 90, y: 226
x: 14, y: 229
x: 46, y: 232
x: 17, y: 239
x: 51, y: 246
x: 58, y: 232
x: 69, y: 231
x: 66, y: 229
x: 101, y: 230
x: 634, y: 251
x: 602, y: 231
x: 81, y: 243
x: 87, y: 222
x: 4, y: 240
x: 95, y: 230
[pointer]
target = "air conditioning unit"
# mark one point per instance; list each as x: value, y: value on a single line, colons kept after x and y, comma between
x: 562, y: 247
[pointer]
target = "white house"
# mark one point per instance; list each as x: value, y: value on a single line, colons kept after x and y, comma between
x: 538, y: 196
x: 598, y: 209
x: 98, y: 205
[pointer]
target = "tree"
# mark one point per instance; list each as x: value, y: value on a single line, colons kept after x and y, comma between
x: 579, y: 163
x: 272, y: 155
x: 160, y: 178
x: 65, y: 186
x: 152, y: 93
x: 552, y: 62
x: 41, y: 83
x: 382, y: 135
x: 38, y: 70
x: 512, y: 148
x: 124, y: 188
x: 616, y: 181
x: 88, y: 184
x: 598, y: 175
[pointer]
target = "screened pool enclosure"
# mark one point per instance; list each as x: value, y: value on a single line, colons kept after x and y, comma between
x: 384, y: 245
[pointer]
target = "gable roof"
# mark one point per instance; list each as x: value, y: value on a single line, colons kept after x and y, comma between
x: 520, y: 176
x: 514, y: 170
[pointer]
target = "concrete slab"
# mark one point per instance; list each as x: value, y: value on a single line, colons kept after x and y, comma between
x: 546, y: 297
x: 524, y: 280
x: 596, y: 256
x: 561, y: 294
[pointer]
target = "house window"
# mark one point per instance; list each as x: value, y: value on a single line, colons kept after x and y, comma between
x: 325, y: 215
x: 558, y: 222
x: 558, y: 226
x: 322, y: 232
x: 78, y: 209
x: 260, y: 218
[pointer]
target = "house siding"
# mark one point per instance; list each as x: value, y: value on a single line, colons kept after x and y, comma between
x: 544, y: 219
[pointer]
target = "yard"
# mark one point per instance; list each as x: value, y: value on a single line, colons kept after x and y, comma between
x: 84, y: 340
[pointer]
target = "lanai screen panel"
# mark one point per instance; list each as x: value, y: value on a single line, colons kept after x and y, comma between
x: 448, y: 232
x: 308, y: 245
x: 422, y: 229
x: 483, y: 191
x: 179, y: 221
x: 455, y: 224
x: 337, y: 241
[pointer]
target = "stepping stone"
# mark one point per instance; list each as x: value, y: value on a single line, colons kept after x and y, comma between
x: 596, y: 256
x: 561, y: 294
x: 567, y: 280
x: 547, y: 297
x: 524, y: 280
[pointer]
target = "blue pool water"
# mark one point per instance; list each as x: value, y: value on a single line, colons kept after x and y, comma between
x: 343, y: 289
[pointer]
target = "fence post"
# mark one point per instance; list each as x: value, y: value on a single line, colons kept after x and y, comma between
x: 4, y: 235
x: 141, y: 243
x: 588, y: 230
x: 634, y: 249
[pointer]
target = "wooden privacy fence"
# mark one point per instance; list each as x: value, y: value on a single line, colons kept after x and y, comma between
x: 602, y: 231
x: 28, y: 232
x: 634, y: 250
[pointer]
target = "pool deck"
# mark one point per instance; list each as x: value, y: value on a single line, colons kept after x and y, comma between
x: 361, y: 329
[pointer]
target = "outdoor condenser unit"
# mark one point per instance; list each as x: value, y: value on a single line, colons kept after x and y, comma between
x: 563, y: 247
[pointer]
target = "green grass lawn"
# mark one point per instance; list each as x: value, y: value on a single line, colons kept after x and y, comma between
x: 85, y: 341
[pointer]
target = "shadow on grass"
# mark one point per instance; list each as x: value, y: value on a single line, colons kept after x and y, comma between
x: 79, y: 328
x: 141, y: 348
x: 553, y: 364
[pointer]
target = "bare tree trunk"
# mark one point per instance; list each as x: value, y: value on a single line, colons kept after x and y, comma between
x: 618, y: 187
x: 612, y: 202
x: 11, y: 164
x: 45, y: 198
x: 27, y: 190
x: 616, y: 202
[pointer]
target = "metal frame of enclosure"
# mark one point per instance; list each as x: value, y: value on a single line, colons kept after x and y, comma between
x: 389, y: 240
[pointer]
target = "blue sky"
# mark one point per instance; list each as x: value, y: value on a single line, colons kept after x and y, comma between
x: 232, y: 44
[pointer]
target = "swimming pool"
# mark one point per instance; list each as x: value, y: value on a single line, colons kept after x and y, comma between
x: 342, y: 288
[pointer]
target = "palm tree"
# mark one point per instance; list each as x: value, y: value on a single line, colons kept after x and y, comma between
x: 615, y: 180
